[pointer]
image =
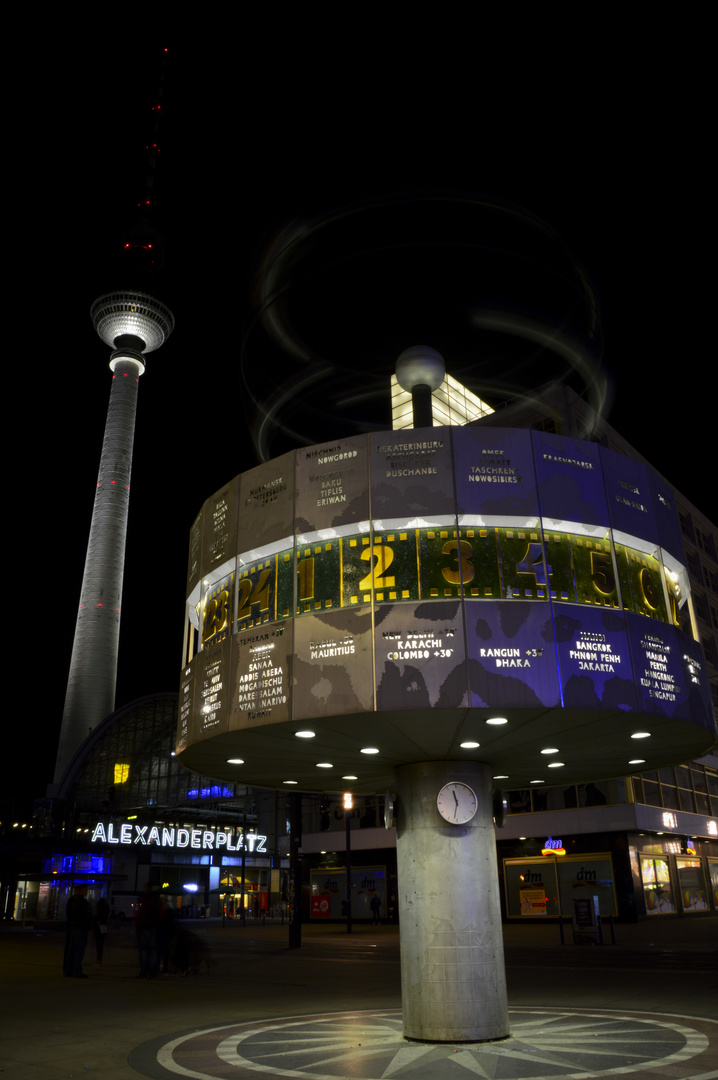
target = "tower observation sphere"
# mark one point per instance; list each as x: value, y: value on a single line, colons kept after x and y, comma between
x: 132, y: 323
x: 120, y: 315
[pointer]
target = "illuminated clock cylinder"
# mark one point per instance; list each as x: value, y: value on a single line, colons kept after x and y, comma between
x: 437, y: 577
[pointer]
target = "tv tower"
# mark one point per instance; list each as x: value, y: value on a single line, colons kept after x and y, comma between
x: 133, y: 323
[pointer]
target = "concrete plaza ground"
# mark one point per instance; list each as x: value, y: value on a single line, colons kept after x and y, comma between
x: 646, y: 1007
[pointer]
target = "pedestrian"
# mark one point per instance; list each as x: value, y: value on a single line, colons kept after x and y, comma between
x: 79, y: 921
x: 375, y: 906
x: 147, y: 920
x: 100, y: 927
x: 165, y: 935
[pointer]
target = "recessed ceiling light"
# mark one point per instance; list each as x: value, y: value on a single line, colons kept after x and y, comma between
x: 637, y: 761
x: 350, y: 778
x: 555, y: 764
x: 537, y: 781
x: 641, y: 735
x: 369, y: 750
x: 497, y: 720
x: 289, y: 781
x: 235, y: 761
x: 324, y: 765
x: 304, y: 734
x: 550, y: 750
x: 469, y: 745
x: 501, y: 776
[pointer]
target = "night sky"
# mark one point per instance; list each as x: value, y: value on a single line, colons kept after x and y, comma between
x: 267, y: 129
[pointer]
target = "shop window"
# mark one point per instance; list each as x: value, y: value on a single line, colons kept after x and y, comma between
x: 692, y: 885
x: 657, y: 887
x: 713, y: 872
x: 585, y: 876
x: 703, y: 804
x: 699, y: 779
x: 531, y: 888
x: 59, y: 864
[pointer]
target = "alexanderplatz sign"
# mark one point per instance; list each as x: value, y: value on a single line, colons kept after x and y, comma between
x: 133, y: 835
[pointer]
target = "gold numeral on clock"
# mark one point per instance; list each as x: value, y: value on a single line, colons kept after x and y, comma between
x: 602, y: 573
x: 215, y: 615
x: 648, y: 588
x: 532, y: 563
x: 465, y: 571
x: 251, y: 593
x: 377, y: 578
x: 305, y: 573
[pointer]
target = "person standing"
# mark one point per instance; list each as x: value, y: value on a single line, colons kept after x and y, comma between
x: 100, y: 927
x: 375, y: 906
x: 79, y: 921
x: 147, y: 921
x: 165, y: 935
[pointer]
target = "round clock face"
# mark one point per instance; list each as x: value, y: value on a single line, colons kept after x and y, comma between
x: 457, y: 803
